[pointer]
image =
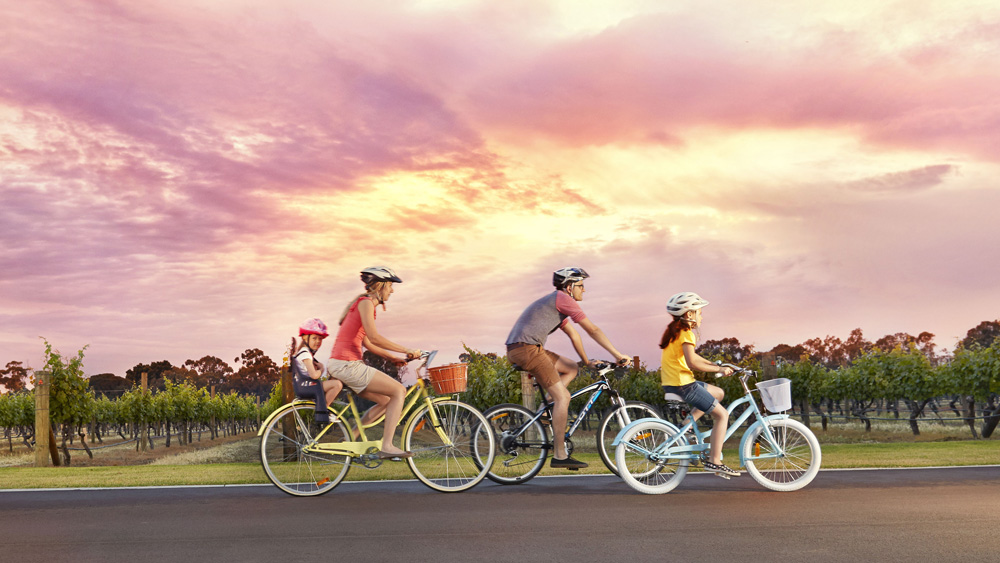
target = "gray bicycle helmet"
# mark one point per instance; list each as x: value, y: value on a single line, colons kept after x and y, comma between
x: 683, y: 302
x: 380, y: 273
x: 564, y: 276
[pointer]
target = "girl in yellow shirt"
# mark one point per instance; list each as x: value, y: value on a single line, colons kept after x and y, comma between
x: 676, y: 375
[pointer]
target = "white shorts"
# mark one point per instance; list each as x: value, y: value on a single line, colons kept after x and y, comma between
x: 355, y: 374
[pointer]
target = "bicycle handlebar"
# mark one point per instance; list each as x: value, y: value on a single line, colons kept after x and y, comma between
x: 736, y: 369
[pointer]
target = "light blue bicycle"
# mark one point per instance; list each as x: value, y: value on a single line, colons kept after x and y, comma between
x: 781, y: 454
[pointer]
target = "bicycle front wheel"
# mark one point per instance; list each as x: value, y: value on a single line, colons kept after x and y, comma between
x: 453, y: 455
x: 520, y: 455
x: 649, y: 476
x: 612, y: 424
x: 790, y: 464
x: 287, y: 459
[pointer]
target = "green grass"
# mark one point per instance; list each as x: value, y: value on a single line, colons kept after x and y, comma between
x: 899, y: 454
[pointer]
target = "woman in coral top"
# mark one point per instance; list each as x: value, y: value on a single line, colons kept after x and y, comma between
x: 357, y: 329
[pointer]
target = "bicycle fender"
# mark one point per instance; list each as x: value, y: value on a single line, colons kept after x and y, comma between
x: 621, y: 434
x: 748, y: 432
x: 277, y: 412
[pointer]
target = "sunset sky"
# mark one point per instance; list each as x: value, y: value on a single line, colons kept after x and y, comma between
x: 190, y: 178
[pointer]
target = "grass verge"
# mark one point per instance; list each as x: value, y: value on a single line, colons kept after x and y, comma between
x: 904, y: 454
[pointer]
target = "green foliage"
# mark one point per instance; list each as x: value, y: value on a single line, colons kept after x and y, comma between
x: 17, y: 409
x: 70, y: 398
x: 975, y: 371
x: 492, y: 380
x: 808, y: 378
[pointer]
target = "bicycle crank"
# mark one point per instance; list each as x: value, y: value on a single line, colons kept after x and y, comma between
x: 369, y: 459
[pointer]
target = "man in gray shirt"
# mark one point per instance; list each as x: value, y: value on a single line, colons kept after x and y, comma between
x: 526, y: 349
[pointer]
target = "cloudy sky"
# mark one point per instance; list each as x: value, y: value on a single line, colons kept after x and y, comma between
x: 187, y: 178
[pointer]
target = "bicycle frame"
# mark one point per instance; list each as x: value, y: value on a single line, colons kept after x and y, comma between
x: 414, y: 395
x: 598, y: 387
x: 677, y: 447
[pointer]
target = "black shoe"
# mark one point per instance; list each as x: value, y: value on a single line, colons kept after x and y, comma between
x: 568, y: 463
x: 322, y: 418
x: 720, y: 469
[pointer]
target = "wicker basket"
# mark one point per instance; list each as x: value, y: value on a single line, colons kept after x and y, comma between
x: 448, y: 379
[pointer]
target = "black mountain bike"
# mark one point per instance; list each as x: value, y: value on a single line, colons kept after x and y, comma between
x: 523, y: 442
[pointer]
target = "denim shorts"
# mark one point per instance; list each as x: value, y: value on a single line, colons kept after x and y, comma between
x: 695, y: 394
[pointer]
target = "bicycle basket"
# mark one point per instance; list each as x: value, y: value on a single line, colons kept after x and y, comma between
x: 776, y: 394
x: 448, y: 379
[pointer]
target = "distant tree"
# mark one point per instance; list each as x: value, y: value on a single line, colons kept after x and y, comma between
x: 14, y: 377
x: 924, y: 342
x: 109, y: 384
x: 789, y: 354
x: 154, y: 373
x: 828, y: 351
x: 855, y: 346
x: 257, y: 373
x: 983, y: 334
x: 727, y: 349
x: 208, y: 371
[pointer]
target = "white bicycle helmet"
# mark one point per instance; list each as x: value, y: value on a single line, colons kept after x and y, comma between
x: 564, y: 276
x: 683, y: 302
x: 380, y: 273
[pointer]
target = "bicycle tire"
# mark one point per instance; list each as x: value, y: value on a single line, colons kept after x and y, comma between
x: 798, y: 463
x: 517, y: 459
x: 641, y: 473
x: 614, y: 421
x: 293, y: 470
x: 449, y: 468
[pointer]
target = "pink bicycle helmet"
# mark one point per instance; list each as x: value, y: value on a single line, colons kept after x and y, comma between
x: 313, y: 326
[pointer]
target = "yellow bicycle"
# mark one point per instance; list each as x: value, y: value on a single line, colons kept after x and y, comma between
x: 451, y: 441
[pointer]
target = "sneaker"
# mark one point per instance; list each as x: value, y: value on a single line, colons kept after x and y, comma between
x: 568, y: 463
x: 720, y: 469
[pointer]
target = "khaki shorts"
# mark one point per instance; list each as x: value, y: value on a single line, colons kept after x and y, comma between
x: 355, y: 374
x: 537, y: 361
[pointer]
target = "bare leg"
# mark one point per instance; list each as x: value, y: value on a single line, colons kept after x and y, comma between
x: 389, y: 388
x: 567, y: 370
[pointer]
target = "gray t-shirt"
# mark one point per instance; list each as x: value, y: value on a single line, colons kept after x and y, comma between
x: 543, y: 317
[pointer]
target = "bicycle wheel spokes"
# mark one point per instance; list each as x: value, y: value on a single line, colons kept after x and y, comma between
x: 643, y: 471
x: 458, y: 461
x: 520, y: 455
x: 787, y: 465
x: 287, y: 458
x: 613, y: 422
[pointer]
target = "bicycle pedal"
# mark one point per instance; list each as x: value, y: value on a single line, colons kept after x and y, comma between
x: 723, y: 475
x: 572, y: 468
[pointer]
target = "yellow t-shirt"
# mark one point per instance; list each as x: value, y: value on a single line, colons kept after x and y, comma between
x: 673, y: 367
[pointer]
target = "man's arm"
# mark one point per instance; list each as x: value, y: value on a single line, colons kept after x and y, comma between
x: 574, y: 337
x: 598, y: 335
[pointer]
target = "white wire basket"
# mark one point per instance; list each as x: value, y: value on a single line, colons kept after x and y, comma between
x: 776, y: 394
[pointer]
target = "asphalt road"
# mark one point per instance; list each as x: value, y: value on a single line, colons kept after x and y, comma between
x: 856, y: 516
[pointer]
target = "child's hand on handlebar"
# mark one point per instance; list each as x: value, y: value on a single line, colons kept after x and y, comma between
x: 624, y: 361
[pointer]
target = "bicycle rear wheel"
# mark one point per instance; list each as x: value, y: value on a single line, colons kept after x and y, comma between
x: 613, y: 422
x: 452, y: 467
x: 652, y: 477
x: 287, y: 463
x: 791, y: 465
x: 519, y: 457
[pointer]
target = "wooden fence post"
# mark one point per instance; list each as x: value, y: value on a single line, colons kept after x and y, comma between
x: 288, y: 395
x: 214, y: 428
x: 43, y: 425
x: 144, y: 427
x: 527, y: 391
